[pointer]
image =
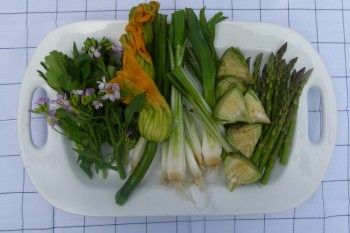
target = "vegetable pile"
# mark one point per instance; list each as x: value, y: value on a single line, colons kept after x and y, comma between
x: 165, y: 88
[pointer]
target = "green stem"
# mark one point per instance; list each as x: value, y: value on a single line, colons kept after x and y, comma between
x: 202, y: 51
x: 138, y: 173
x: 96, y: 142
x: 260, y: 147
x: 87, y: 115
x: 100, y: 63
x: 272, y: 160
x: 287, y: 76
x: 117, y: 152
x: 269, y: 84
x: 160, y: 54
x: 287, y: 143
x: 275, y: 99
x: 256, y: 72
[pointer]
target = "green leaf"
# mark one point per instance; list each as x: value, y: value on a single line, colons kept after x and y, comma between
x: 204, y: 51
x: 97, y: 168
x: 60, y: 70
x: 41, y: 74
x: 111, y: 72
x: 85, y: 165
x: 208, y: 28
x: 97, y: 76
x: 75, y: 51
x: 217, y: 18
x: 85, y: 73
x: 82, y: 59
x: 135, y: 106
x: 44, y: 65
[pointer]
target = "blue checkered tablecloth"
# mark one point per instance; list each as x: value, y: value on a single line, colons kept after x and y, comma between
x: 24, y: 23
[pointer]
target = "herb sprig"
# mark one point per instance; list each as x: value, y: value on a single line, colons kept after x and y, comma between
x: 88, y: 109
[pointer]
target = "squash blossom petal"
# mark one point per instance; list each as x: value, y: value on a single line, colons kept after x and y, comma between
x: 155, y: 119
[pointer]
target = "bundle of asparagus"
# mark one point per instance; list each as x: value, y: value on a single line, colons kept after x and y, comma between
x: 279, y: 89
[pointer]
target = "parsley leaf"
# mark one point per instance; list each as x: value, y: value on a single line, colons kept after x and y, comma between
x: 62, y: 73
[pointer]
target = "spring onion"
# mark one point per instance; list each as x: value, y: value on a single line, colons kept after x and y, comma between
x: 176, y: 161
x: 179, y: 78
x: 192, y: 165
x: 192, y: 135
x: 201, y: 39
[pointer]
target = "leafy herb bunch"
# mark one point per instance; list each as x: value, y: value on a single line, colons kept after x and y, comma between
x: 88, y: 109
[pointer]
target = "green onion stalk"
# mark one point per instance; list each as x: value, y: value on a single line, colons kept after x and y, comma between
x: 201, y: 34
x: 175, y: 160
x: 181, y: 79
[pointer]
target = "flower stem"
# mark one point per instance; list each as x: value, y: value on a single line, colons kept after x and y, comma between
x: 116, y: 146
x: 102, y: 66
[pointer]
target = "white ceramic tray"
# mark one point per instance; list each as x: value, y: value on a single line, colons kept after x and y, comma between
x: 54, y: 173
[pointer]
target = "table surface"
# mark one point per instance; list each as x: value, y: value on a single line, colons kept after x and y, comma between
x: 24, y: 23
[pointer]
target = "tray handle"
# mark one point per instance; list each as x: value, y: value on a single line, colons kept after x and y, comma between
x: 328, y: 118
x: 28, y: 88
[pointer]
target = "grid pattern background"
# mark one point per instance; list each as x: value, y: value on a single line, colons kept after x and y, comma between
x: 24, y: 23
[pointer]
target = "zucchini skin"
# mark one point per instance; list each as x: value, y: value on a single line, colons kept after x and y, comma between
x: 137, y: 175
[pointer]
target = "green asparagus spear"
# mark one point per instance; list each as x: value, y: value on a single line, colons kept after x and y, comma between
x: 248, y: 61
x: 256, y: 72
x: 272, y: 159
x: 275, y: 100
x: 280, y: 52
x: 287, y: 143
x: 291, y: 128
x: 270, y: 82
x: 260, y: 146
x: 262, y: 84
x: 297, y: 86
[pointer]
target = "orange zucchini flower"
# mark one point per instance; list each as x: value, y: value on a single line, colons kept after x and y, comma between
x: 155, y: 119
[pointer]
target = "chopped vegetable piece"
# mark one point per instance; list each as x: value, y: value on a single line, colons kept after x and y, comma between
x: 244, y: 137
x: 233, y: 63
x: 239, y: 171
x: 255, y: 109
x: 224, y: 84
x: 231, y: 107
